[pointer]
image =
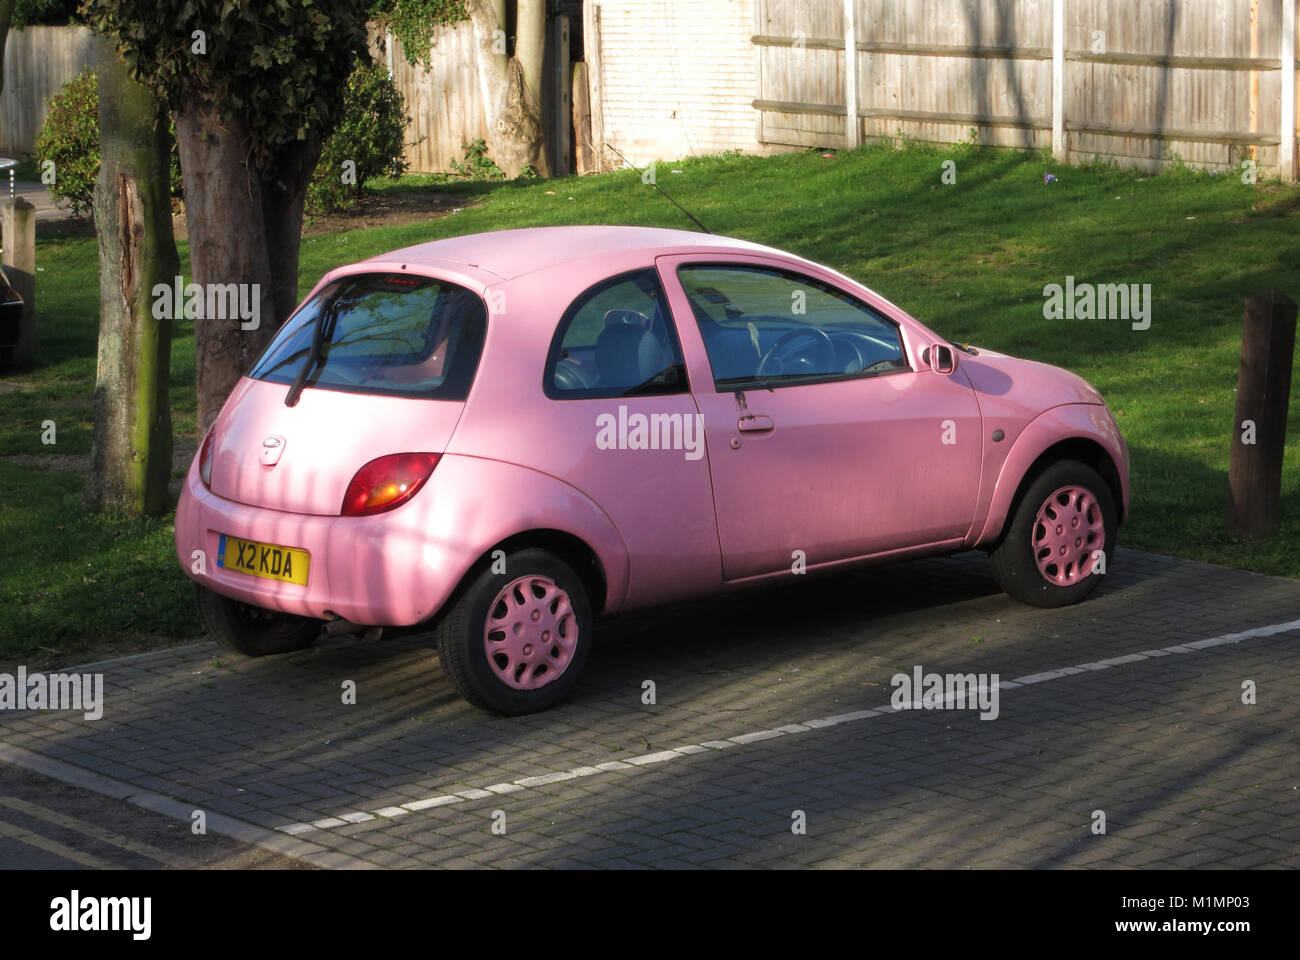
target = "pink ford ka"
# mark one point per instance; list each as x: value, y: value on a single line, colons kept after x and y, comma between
x: 504, y: 435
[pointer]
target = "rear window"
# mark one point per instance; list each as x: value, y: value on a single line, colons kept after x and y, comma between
x: 383, y: 333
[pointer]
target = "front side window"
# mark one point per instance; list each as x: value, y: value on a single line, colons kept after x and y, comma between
x: 381, y: 333
x: 767, y: 327
x: 616, y: 340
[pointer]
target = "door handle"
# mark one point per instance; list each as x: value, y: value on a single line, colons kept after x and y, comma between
x: 755, y: 423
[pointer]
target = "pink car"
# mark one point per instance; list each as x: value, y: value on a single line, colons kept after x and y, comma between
x: 505, y: 435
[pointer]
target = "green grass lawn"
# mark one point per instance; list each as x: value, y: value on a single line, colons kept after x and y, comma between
x: 969, y: 259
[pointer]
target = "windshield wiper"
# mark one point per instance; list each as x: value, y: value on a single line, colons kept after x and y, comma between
x: 313, y: 358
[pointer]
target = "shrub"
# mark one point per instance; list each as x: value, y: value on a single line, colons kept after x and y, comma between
x: 477, y: 165
x: 370, y: 134
x: 70, y: 137
x: 29, y: 13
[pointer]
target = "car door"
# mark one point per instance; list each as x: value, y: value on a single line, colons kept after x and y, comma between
x: 825, y: 441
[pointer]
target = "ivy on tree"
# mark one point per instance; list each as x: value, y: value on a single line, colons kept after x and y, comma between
x: 254, y: 89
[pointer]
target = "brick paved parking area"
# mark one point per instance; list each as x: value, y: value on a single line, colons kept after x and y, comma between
x: 772, y: 709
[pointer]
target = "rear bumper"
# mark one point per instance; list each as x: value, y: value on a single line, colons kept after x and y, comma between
x: 379, y: 570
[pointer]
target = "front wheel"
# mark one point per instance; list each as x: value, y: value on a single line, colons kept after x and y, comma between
x: 514, y: 642
x: 253, y: 631
x: 1051, y: 552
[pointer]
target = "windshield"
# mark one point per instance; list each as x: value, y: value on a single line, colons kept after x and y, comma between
x: 385, y: 334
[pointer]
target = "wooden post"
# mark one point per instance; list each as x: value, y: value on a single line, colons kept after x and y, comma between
x: 1059, y: 151
x: 584, y: 154
x: 18, y: 229
x: 852, y: 125
x: 563, y: 99
x: 595, y: 74
x: 1286, y: 149
x: 1259, y: 426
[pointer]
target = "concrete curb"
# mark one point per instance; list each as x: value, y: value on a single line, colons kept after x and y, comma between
x: 271, y: 840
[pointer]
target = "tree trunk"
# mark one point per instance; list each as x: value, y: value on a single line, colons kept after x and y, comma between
x: 224, y: 212
x: 513, y: 86
x: 284, y: 194
x: 132, y: 448
x: 6, y: 15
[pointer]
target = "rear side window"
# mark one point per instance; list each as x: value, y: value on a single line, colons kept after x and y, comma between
x: 385, y: 334
x: 616, y: 340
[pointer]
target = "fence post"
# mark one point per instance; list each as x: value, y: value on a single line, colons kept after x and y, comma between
x: 1286, y: 148
x: 1058, y: 81
x: 852, y: 126
x: 1259, y: 424
x: 584, y: 156
x: 563, y: 99
x: 18, y: 230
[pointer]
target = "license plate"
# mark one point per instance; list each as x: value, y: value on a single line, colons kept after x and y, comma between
x: 265, y: 560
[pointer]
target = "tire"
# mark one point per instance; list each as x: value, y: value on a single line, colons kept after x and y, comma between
x: 524, y: 669
x: 1050, y: 565
x: 251, y: 630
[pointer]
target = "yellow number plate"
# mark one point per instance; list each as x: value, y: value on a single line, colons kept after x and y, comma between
x: 265, y: 560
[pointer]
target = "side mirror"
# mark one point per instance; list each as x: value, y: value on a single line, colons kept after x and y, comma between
x: 941, y: 357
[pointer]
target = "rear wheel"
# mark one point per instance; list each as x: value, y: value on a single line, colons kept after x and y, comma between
x: 1048, y: 554
x: 515, y: 642
x: 251, y: 630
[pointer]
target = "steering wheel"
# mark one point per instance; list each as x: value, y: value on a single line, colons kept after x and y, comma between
x: 887, y: 363
x: 783, y: 353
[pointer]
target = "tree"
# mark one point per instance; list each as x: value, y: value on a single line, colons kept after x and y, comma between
x: 511, y: 86
x: 6, y: 15
x: 253, y: 88
x: 131, y: 452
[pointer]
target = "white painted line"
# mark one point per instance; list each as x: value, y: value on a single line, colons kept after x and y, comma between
x: 663, y: 756
x: 756, y: 736
x: 659, y: 757
x: 692, y: 748
x: 432, y: 802
x: 389, y: 812
x: 548, y: 778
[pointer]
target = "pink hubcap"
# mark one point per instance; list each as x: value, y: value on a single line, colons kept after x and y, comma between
x: 531, y: 633
x: 1069, y: 527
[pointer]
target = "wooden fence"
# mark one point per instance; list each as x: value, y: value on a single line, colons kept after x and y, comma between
x: 38, y: 61
x: 444, y: 100
x: 1210, y: 81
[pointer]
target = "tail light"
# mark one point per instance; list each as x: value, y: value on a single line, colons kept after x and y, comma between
x: 387, y: 482
x: 205, y: 458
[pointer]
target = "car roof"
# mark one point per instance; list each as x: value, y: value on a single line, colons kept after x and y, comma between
x: 513, y: 253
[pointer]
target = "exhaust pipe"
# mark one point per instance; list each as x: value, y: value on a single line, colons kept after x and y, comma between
x: 340, y: 627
